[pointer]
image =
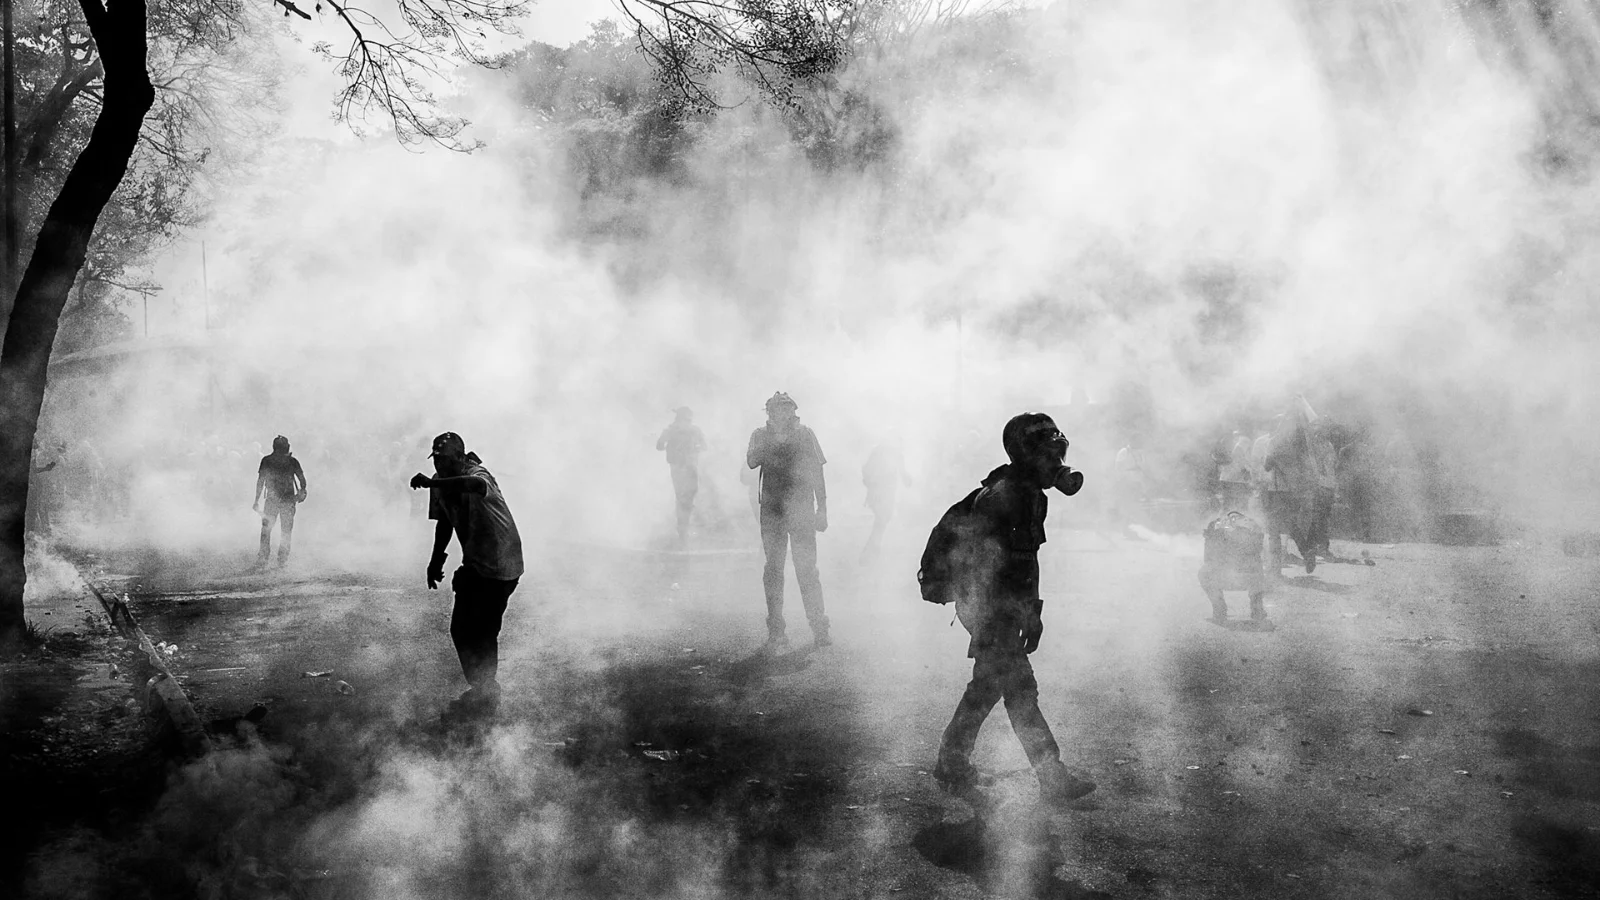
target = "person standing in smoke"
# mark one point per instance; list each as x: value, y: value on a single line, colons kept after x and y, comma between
x: 683, y: 443
x: 464, y: 498
x: 995, y: 571
x: 1323, y: 465
x: 794, y: 507
x: 884, y: 472
x: 1288, y: 491
x: 280, y: 486
x: 1233, y: 474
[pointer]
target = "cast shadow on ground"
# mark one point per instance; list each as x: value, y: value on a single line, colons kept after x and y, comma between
x: 764, y: 664
x: 1015, y: 860
x: 1252, y: 625
x: 1313, y: 583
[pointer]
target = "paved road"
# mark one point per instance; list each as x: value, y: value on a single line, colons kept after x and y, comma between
x: 1424, y: 727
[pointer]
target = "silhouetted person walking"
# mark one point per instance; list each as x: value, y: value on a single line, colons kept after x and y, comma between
x: 280, y: 486
x: 990, y: 570
x: 683, y: 442
x: 794, y: 507
x: 464, y: 498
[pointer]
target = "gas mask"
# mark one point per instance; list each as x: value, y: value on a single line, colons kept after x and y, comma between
x: 1051, y: 445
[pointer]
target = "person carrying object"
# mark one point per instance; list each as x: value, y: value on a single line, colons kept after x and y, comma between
x: 465, y: 499
x: 280, y: 487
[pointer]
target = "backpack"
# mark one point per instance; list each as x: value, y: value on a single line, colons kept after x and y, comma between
x: 939, y: 574
x: 1233, y: 543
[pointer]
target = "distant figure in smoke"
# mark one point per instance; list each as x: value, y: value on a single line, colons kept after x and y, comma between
x: 990, y: 570
x: 1323, y: 465
x: 1132, y: 486
x: 463, y: 497
x: 1233, y: 473
x: 1287, y: 489
x: 884, y: 472
x: 683, y: 442
x: 794, y: 507
x: 280, y: 485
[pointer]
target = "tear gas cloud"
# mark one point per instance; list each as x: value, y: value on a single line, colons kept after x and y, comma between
x: 1382, y: 229
x: 1225, y: 202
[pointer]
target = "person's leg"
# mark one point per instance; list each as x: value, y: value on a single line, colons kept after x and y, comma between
x: 775, y: 542
x: 1272, y: 505
x: 475, y: 624
x: 285, y: 532
x: 803, y: 539
x: 961, y: 735
x: 269, y: 512
x: 1021, y: 692
x: 496, y: 594
x: 683, y: 494
x: 1014, y: 674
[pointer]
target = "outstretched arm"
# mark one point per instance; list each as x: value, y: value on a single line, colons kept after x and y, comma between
x: 463, y: 484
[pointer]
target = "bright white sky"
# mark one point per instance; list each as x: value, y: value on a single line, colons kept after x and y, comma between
x: 561, y: 22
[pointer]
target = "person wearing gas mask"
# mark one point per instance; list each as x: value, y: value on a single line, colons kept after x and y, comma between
x: 794, y: 508
x: 465, y: 499
x: 1002, y: 611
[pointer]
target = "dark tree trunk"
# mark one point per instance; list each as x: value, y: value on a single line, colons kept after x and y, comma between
x: 118, y: 28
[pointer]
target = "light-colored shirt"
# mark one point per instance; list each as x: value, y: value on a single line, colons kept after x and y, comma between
x: 1237, y: 468
x: 488, y: 535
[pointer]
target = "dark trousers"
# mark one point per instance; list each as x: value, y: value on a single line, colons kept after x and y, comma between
x: 1317, y: 520
x: 475, y: 623
x: 685, y: 484
x: 1000, y: 674
x: 1284, y: 515
x: 282, y: 512
x: 779, y: 532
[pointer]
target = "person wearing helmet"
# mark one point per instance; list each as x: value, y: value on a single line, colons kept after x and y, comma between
x: 1003, y: 611
x: 465, y: 500
x: 683, y: 442
x: 280, y: 485
x: 794, y: 507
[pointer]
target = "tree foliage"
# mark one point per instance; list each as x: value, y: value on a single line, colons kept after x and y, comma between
x: 214, y: 75
x: 819, y: 63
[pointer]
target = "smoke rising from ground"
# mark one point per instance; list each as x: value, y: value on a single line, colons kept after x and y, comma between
x: 1227, y: 203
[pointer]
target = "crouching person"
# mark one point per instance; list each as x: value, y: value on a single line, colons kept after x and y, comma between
x: 984, y: 557
x: 465, y: 498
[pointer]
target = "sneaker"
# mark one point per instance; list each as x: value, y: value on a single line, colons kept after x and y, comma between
x: 823, y: 640
x: 955, y: 777
x: 776, y: 644
x: 1061, y: 786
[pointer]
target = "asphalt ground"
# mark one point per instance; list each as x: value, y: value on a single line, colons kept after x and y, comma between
x: 1426, y: 726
